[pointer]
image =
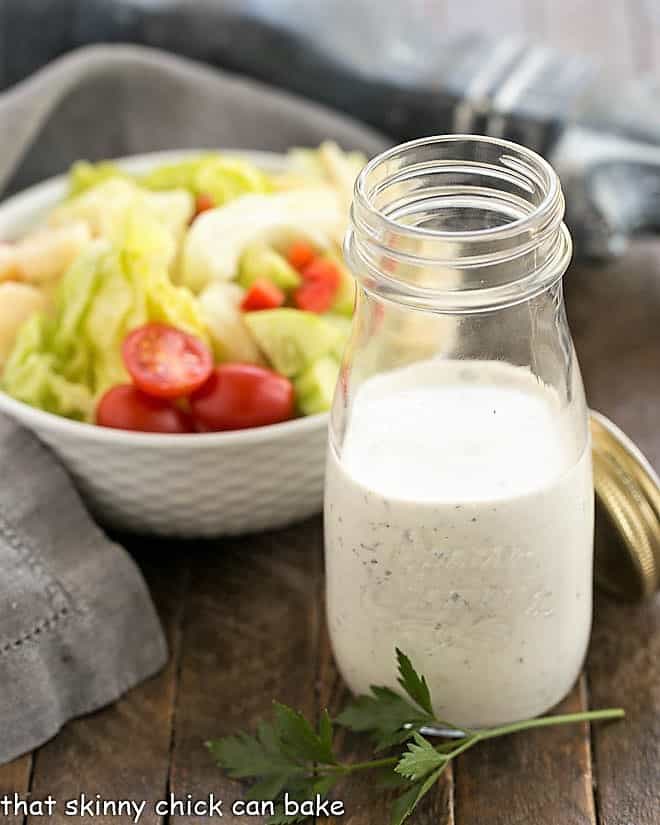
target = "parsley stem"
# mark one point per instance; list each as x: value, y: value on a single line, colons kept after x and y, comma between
x: 475, y: 736
x: 549, y: 721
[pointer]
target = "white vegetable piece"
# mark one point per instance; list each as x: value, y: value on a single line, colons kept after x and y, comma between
x: 217, y: 238
x: 44, y: 255
x: 230, y: 337
x: 17, y: 303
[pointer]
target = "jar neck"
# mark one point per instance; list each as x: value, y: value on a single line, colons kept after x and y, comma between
x: 458, y: 224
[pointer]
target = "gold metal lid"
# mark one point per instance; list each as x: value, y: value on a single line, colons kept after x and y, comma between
x: 627, y: 513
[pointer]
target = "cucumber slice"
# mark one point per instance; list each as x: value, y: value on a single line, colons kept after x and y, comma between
x: 292, y: 339
x: 316, y: 386
x: 343, y: 326
x: 261, y: 261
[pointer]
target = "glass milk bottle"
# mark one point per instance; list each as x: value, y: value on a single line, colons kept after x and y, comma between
x: 459, y: 497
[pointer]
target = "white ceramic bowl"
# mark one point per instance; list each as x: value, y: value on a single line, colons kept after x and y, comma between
x: 177, y: 485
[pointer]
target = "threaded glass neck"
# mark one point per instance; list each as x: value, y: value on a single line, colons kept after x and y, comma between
x: 458, y: 223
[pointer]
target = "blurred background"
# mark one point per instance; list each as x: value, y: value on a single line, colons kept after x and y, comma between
x: 400, y: 35
x: 577, y: 80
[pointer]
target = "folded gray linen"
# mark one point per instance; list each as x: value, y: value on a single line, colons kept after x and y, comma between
x: 77, y: 625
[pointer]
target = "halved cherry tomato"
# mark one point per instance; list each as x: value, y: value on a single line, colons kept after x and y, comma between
x: 263, y: 294
x: 166, y: 362
x: 203, y: 202
x: 238, y: 396
x: 124, y: 407
x: 322, y: 270
x: 321, y: 281
x: 300, y: 254
x: 314, y: 296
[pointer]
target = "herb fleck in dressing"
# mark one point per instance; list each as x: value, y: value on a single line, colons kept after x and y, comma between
x: 465, y: 539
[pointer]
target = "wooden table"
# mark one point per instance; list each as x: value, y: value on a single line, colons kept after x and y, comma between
x: 245, y: 617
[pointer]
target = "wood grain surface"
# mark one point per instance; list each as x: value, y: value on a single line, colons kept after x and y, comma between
x: 245, y: 619
x: 122, y: 752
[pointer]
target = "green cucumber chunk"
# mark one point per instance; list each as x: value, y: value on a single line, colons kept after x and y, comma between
x: 343, y: 326
x: 292, y: 339
x: 316, y: 386
x: 261, y: 261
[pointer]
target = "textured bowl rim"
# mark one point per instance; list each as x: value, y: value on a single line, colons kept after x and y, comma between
x: 20, y: 210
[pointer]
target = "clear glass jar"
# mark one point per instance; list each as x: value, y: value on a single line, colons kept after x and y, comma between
x: 459, y: 494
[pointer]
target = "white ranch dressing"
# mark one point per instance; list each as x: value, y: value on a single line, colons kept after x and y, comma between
x: 459, y: 527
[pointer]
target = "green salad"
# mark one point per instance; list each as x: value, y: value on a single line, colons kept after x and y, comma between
x: 202, y: 295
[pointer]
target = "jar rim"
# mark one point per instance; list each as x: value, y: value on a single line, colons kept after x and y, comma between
x: 397, y: 243
x: 549, y: 203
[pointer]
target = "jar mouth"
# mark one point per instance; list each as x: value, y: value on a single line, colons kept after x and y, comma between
x: 459, y: 215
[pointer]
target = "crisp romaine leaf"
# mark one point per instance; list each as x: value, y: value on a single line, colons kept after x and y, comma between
x: 108, y: 210
x: 63, y: 362
x: 221, y: 176
x: 414, y: 685
x: 84, y: 175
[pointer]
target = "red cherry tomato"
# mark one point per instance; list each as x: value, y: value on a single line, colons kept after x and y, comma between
x: 124, y: 407
x: 238, y: 396
x: 321, y: 280
x: 166, y: 362
x: 263, y: 294
x: 314, y: 297
x: 321, y: 270
x: 300, y: 254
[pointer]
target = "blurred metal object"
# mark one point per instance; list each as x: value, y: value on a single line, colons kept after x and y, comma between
x: 395, y: 68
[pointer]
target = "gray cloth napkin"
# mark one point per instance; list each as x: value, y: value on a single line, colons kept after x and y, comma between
x: 77, y: 626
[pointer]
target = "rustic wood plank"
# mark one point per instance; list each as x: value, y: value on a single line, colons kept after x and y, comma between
x: 250, y: 636
x: 15, y: 779
x: 624, y: 669
x: 541, y: 777
x: 122, y: 752
x: 614, y: 312
x: 364, y: 803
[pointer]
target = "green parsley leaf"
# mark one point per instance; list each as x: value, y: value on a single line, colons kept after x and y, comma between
x: 288, y: 756
x: 244, y: 756
x: 326, y: 732
x: 405, y: 804
x: 385, y: 716
x: 299, y: 739
x: 413, y: 684
x: 420, y: 759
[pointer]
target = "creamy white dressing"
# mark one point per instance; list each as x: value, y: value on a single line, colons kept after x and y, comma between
x: 459, y: 527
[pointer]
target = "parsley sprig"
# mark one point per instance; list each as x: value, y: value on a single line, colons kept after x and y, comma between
x: 287, y: 754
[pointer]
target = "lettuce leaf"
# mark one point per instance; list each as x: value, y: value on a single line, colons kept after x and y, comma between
x: 64, y: 361
x: 84, y: 175
x: 104, y: 208
x: 223, y: 177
